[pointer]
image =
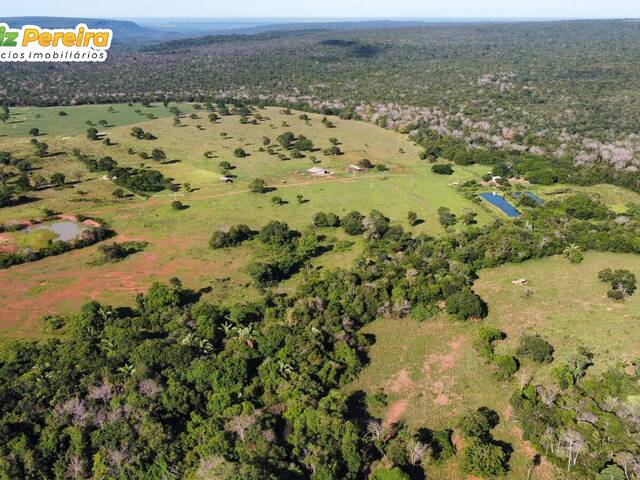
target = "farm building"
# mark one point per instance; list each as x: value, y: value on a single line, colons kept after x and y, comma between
x: 356, y: 169
x: 225, y: 179
x: 319, y: 172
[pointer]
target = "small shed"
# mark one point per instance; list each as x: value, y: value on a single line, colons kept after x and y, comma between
x: 319, y: 172
x: 356, y: 169
x: 225, y: 179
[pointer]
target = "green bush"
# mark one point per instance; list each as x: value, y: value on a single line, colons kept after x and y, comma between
x: 389, y: 474
x: 465, y: 305
x: 484, y: 459
x: 442, y: 169
x: 536, y: 348
x: 506, y: 366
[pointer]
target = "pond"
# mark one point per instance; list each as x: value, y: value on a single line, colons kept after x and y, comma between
x: 63, y: 230
x: 500, y: 202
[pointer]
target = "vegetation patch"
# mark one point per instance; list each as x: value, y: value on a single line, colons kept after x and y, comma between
x: 34, y: 240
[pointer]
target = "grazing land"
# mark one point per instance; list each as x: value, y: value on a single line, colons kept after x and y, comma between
x: 178, y: 239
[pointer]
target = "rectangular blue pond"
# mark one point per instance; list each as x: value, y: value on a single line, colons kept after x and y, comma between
x: 500, y: 202
x: 531, y: 195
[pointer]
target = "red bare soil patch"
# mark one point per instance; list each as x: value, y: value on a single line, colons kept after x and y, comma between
x: 90, y: 223
x: 62, y: 284
x: 401, y: 382
x: 438, y: 382
x: 395, y: 412
x: 6, y: 244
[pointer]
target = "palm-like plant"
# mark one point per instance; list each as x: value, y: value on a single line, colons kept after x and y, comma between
x: 573, y: 253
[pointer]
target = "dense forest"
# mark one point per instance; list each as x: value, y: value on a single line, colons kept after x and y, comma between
x: 557, y: 88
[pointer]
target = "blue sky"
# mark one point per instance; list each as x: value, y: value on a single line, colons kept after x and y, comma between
x: 328, y: 8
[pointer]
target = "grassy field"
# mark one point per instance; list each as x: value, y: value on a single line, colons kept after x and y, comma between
x: 51, y: 123
x: 616, y: 197
x: 436, y: 374
x: 178, y: 239
x: 569, y: 307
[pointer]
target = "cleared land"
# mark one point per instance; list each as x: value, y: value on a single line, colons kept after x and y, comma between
x: 178, y: 240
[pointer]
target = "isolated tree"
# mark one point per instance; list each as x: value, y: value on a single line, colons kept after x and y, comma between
x: 258, y: 186
x: 158, y: 154
x: 239, y: 153
x: 442, y: 169
x: 34, y: 132
x: 334, y: 150
x: 304, y: 144
x: 446, y: 217
x: 92, y: 133
x: 286, y: 139
x: 23, y: 183
x: 469, y: 217
x: 6, y: 196
x: 412, y: 218
x: 42, y: 149
x: 477, y: 423
x: 536, y: 348
x: 57, y: 179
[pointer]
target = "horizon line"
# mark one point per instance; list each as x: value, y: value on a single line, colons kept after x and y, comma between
x: 320, y: 18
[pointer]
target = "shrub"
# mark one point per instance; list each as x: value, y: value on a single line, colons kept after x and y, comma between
x: 389, y: 474
x: 536, y: 348
x: 234, y: 236
x: 484, y: 343
x: 322, y: 219
x: 622, y: 282
x: 352, y: 223
x: 484, y: 459
x: 506, y: 366
x: 442, y: 169
x: 477, y: 423
x: 465, y: 305
x: 446, y: 217
x: 258, y: 186
x: 612, y: 472
x: 276, y: 233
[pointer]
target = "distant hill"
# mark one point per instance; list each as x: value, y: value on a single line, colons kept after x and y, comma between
x: 124, y: 31
x: 282, y: 30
